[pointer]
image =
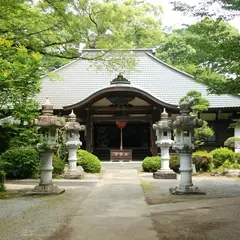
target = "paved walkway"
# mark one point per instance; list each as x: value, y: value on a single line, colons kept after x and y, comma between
x: 115, y: 209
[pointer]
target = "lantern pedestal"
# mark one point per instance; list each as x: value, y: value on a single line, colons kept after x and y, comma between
x: 73, y: 171
x: 186, y: 186
x: 46, y: 186
x: 74, y: 174
x: 165, y: 172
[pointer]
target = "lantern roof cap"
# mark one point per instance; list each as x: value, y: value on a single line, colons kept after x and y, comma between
x: 47, y: 108
x: 72, y: 117
x: 164, y: 114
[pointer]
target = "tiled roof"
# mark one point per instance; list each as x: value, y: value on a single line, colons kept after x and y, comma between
x: 162, y: 81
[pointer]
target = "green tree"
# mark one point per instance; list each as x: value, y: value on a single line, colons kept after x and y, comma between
x: 217, y: 43
x: 37, y: 36
x: 19, y: 80
x: 198, y: 104
x: 55, y: 28
x: 209, y: 50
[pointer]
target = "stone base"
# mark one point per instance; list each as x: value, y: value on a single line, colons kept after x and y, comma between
x: 165, y: 174
x: 74, y: 174
x: 46, y: 190
x: 191, y: 190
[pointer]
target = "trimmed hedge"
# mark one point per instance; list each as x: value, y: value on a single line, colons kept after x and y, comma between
x: 151, y: 164
x: 174, y: 162
x: 220, y: 155
x: 58, y: 165
x: 202, y: 160
x: 19, y: 163
x: 89, y: 162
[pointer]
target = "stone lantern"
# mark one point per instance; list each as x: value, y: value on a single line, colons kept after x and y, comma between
x: 48, y: 125
x: 164, y: 141
x: 184, y: 145
x: 72, y: 128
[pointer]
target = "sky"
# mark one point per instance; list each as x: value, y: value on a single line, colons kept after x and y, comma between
x: 176, y: 19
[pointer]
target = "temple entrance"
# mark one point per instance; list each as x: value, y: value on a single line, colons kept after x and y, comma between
x: 136, y: 137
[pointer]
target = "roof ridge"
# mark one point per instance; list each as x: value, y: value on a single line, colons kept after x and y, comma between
x: 169, y: 66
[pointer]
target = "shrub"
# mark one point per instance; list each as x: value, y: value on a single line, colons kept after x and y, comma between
x: 226, y: 164
x: 20, y: 162
x: 236, y: 157
x: 220, y: 155
x: 151, y: 164
x: 235, y: 166
x: 202, y: 160
x: 58, y: 165
x: 89, y: 162
x: 2, y: 180
x: 174, y: 162
x: 230, y: 142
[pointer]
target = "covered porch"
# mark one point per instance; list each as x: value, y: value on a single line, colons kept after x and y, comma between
x: 120, y: 102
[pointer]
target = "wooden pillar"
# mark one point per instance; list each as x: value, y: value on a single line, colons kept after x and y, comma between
x: 155, y: 118
x: 89, y: 131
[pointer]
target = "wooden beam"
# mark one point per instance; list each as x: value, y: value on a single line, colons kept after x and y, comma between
x: 116, y: 118
x: 136, y: 109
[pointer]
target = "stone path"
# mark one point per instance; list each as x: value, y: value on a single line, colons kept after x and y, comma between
x: 115, y: 209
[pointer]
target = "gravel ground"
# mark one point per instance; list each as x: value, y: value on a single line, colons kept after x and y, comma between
x: 157, y: 190
x: 36, y: 218
x: 214, y: 216
x: 209, y: 223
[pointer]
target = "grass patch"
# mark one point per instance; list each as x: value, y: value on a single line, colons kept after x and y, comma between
x: 146, y: 186
x: 9, y: 195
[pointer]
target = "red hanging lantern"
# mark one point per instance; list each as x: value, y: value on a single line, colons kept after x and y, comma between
x: 121, y: 125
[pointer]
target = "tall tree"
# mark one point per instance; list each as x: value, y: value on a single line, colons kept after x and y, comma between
x: 209, y: 50
x: 217, y: 43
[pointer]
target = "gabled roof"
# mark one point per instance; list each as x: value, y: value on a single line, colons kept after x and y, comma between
x: 161, y: 81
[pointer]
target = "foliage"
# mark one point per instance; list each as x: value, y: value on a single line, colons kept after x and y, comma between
x: 209, y: 50
x: 202, y: 160
x: 230, y: 142
x: 2, y: 179
x: 19, y: 80
x: 55, y: 28
x: 200, y: 134
x: 20, y: 162
x: 25, y: 136
x: 220, y: 155
x: 226, y: 164
x: 58, y: 165
x: 174, y: 162
x: 89, y: 162
x: 236, y: 157
x: 151, y: 164
x: 198, y: 104
x: 61, y: 151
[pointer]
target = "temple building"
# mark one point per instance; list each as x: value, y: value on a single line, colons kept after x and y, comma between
x: 134, y: 98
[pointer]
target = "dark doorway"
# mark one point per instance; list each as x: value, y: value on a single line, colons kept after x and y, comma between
x: 136, y: 136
